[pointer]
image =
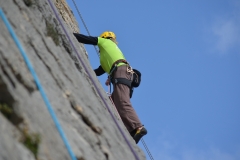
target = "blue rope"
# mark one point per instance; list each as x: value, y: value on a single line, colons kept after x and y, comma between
x: 30, y: 67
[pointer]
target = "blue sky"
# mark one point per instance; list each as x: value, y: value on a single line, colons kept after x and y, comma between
x: 189, y: 56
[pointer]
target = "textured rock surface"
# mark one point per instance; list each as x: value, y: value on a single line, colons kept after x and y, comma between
x: 68, y: 17
x: 67, y: 14
x: 85, y: 120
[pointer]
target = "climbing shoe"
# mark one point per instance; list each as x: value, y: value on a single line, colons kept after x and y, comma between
x: 139, y: 134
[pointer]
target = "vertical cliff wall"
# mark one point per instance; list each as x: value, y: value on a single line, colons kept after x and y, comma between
x: 27, y: 131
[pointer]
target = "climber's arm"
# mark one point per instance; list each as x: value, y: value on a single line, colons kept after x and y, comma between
x: 99, y: 71
x: 86, y: 39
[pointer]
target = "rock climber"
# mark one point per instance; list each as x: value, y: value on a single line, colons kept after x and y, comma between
x: 113, y: 62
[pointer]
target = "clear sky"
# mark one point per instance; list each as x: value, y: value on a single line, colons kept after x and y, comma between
x: 189, y: 55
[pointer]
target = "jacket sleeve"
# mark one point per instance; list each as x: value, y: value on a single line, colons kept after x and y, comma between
x: 86, y: 39
x: 99, y: 71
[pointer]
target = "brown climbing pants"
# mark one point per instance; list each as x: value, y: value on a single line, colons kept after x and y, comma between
x: 122, y: 102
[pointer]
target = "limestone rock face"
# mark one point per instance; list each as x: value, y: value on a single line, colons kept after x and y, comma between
x: 67, y: 15
x: 27, y: 130
x: 68, y: 18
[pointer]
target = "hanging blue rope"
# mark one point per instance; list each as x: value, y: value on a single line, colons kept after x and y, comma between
x: 30, y: 67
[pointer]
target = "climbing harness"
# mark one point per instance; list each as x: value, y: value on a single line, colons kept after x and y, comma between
x: 41, y: 90
x: 132, y: 83
x: 118, y: 80
x: 92, y: 80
